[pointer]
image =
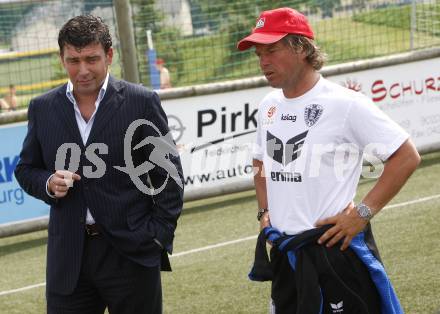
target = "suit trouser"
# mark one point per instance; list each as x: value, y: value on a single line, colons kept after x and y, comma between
x: 108, y: 279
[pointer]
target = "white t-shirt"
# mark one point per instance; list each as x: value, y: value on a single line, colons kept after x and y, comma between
x: 311, y: 147
x: 165, y: 81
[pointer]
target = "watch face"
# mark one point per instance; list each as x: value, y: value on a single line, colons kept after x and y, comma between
x: 363, y: 211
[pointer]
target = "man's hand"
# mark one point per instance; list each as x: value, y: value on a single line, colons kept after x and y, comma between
x: 61, y: 181
x: 346, y: 226
x: 264, y: 221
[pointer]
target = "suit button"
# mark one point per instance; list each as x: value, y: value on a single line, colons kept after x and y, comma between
x: 81, y: 220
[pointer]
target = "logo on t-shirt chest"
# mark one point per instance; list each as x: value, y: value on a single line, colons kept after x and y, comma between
x: 269, y: 118
x: 285, y: 153
x: 288, y: 117
x: 312, y: 113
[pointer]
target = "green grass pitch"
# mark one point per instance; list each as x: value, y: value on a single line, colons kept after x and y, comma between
x: 214, y: 280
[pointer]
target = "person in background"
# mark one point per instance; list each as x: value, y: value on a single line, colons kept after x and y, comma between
x: 3, y: 105
x: 11, y: 97
x: 165, y: 80
x: 323, y: 249
x: 9, y: 101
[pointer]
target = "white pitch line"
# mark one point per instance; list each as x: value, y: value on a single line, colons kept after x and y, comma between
x: 214, y: 246
x: 419, y: 200
x: 22, y: 289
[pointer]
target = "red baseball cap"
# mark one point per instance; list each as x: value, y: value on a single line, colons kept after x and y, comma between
x: 274, y: 24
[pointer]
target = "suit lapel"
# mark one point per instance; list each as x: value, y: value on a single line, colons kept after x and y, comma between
x: 66, y: 112
x: 107, y: 108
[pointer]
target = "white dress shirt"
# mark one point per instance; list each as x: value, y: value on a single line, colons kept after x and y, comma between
x: 84, y: 127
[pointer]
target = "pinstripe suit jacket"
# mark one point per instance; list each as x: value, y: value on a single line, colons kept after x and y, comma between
x: 128, y: 218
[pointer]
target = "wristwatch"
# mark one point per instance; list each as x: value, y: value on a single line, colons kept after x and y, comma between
x: 364, y: 211
x: 261, y: 212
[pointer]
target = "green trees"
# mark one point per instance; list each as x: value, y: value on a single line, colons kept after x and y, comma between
x: 326, y: 6
x: 10, y: 16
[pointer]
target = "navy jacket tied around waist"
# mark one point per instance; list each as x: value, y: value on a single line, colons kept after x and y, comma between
x: 317, y: 272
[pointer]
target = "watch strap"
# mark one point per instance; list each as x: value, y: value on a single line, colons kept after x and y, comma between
x: 261, y: 212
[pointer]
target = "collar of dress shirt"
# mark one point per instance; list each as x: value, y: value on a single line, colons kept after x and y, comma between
x: 69, y: 91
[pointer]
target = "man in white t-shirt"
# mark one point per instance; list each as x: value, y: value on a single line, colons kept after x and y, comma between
x: 310, y: 139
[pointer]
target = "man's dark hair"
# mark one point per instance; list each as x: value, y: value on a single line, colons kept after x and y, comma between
x: 84, y: 30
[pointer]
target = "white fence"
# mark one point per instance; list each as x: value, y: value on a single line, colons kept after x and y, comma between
x: 214, y: 124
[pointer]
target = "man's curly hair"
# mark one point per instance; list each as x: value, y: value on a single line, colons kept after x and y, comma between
x: 84, y: 30
x: 314, y: 56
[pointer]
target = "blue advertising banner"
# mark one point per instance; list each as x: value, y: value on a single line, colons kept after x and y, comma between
x: 15, y: 204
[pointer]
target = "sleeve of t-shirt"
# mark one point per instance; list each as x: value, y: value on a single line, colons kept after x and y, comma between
x: 371, y: 129
x: 257, y: 149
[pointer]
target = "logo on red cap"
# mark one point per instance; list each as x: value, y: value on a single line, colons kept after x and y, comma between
x: 260, y: 23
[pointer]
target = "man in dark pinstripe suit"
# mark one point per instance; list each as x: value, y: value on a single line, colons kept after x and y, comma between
x: 110, y: 225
